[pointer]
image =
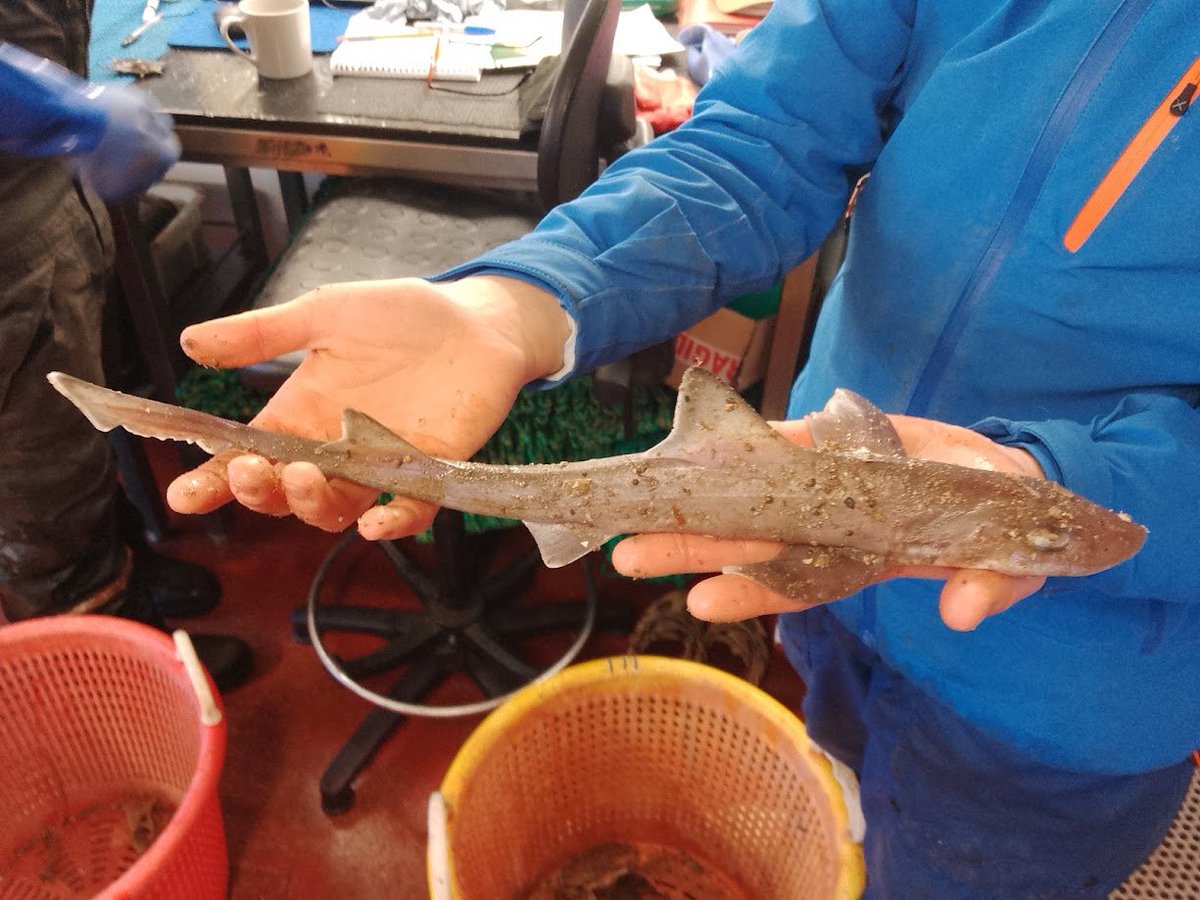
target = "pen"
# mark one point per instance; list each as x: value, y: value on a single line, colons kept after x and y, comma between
x: 427, y: 31
x: 141, y: 29
x: 437, y: 49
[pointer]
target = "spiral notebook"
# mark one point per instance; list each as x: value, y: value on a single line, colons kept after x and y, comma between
x: 411, y: 57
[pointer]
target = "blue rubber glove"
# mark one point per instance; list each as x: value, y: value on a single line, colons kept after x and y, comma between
x: 136, y: 149
x: 113, y: 137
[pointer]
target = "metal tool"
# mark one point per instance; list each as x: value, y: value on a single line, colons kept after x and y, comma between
x: 150, y: 15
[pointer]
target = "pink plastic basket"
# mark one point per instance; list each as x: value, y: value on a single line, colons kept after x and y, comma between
x: 108, y: 777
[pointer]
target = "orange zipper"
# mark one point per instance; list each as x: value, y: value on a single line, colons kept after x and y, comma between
x: 1134, y: 156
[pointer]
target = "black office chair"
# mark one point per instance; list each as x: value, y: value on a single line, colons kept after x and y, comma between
x: 388, y: 228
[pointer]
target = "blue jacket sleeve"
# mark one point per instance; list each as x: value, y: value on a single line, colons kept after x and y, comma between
x: 734, y: 198
x: 47, y: 110
x: 1142, y: 459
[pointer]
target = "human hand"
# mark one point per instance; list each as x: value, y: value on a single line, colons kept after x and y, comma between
x: 439, y: 364
x: 136, y: 149
x: 968, y: 595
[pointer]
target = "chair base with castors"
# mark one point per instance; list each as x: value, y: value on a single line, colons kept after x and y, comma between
x: 469, y: 623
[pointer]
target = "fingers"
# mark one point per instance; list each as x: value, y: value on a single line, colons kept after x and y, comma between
x: 968, y: 597
x: 930, y: 439
x: 795, y: 430
x: 400, y: 518
x: 203, y: 489
x: 732, y: 598
x: 252, y: 336
x: 256, y: 484
x: 331, y: 505
x: 649, y: 555
x: 971, y: 595
x: 276, y: 489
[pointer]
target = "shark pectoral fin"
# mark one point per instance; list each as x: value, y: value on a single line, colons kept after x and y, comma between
x: 563, y: 544
x: 811, y: 574
x: 850, y: 423
x: 715, y: 427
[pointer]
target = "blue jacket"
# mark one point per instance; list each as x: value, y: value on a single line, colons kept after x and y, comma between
x: 986, y: 126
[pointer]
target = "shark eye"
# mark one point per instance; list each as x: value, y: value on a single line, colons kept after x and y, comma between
x: 1046, y: 539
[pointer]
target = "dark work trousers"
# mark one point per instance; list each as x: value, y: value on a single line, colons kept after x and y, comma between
x: 59, y: 540
x: 955, y: 814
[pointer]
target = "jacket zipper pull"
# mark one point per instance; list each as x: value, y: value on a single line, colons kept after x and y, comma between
x: 1183, y: 100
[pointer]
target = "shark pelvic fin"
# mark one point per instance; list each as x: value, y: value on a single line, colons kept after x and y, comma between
x: 812, y: 574
x: 563, y: 544
x: 850, y: 423
x: 715, y: 427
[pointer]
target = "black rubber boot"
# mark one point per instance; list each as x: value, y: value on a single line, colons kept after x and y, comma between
x: 176, y: 589
x: 227, y: 658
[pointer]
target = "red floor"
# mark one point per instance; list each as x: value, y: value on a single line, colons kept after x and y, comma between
x: 289, y: 720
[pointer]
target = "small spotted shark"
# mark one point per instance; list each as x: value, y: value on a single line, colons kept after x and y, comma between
x: 846, y: 510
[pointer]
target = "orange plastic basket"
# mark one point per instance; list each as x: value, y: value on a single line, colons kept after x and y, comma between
x: 645, y: 752
x: 108, y: 776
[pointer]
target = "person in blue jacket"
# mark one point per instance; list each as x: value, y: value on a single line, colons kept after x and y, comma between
x: 1020, y: 288
x: 69, y: 541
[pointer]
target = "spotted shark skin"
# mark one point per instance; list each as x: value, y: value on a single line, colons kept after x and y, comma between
x: 847, y: 510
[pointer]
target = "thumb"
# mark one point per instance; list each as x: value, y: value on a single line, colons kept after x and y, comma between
x: 251, y: 337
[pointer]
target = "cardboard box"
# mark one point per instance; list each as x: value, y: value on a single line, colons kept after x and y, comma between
x: 731, y: 345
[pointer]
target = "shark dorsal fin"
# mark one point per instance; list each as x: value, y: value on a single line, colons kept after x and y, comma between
x: 361, y: 433
x: 852, y: 424
x: 714, y: 426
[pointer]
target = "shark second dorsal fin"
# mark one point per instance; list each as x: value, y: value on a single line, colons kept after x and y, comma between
x: 563, y: 544
x: 362, y: 435
x: 811, y: 574
x: 852, y: 424
x: 715, y: 427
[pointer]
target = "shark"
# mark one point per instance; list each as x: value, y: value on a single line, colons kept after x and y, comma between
x: 845, y: 510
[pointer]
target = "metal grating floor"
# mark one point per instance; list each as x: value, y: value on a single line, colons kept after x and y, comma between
x: 1173, y: 870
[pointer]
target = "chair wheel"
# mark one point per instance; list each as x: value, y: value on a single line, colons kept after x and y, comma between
x: 338, y: 802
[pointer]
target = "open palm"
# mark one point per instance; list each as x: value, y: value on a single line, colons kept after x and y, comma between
x: 438, y: 365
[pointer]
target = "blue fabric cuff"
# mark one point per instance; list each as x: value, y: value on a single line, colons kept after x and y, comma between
x: 1065, y: 450
x: 580, y: 288
x: 1067, y: 453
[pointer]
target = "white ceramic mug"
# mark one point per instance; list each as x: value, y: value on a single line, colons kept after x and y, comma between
x: 279, y: 33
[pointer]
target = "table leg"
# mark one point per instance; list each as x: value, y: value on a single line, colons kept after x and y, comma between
x: 246, y: 214
x: 148, y: 311
x: 295, y: 198
x: 144, y: 297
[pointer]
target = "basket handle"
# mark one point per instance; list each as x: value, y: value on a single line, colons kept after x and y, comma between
x: 210, y: 713
x: 856, y: 822
x: 437, y: 857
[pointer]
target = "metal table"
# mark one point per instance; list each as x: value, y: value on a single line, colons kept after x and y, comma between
x: 456, y: 133
x: 224, y: 113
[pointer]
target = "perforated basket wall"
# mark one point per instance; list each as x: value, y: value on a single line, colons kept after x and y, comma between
x: 646, y: 749
x: 100, y: 733
x: 1173, y: 870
